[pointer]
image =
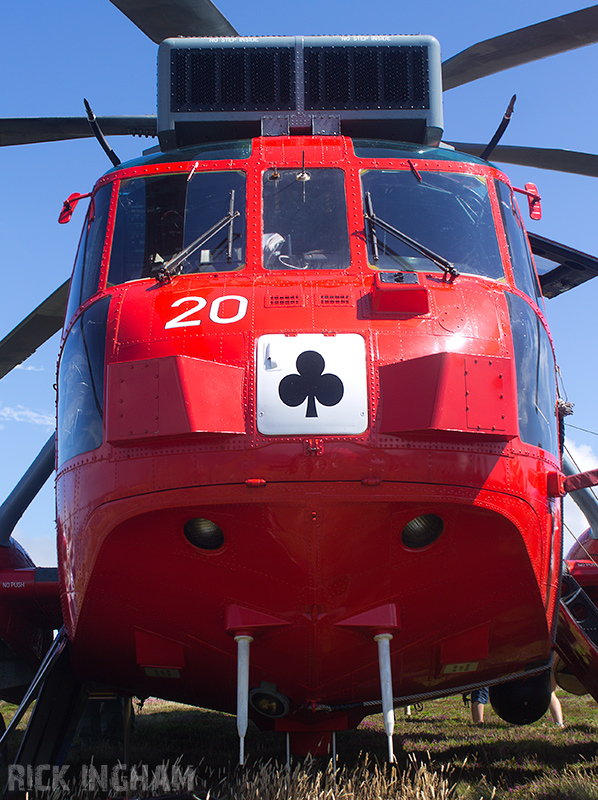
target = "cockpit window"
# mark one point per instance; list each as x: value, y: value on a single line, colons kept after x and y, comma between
x: 521, y: 260
x: 536, y: 381
x: 305, y: 219
x: 86, y: 274
x: 159, y: 216
x: 81, y: 383
x: 448, y: 213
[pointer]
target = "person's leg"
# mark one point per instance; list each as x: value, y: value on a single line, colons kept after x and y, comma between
x: 555, y: 708
x: 479, y: 698
x: 477, y: 712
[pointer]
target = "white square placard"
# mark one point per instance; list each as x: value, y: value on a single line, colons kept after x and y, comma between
x: 311, y: 384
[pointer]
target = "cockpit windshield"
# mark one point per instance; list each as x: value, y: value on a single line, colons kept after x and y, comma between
x: 448, y: 213
x: 305, y: 219
x: 159, y: 216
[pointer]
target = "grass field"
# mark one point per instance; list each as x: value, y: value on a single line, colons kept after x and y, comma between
x: 439, y: 754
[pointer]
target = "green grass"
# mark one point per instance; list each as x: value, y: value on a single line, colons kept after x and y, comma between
x: 439, y: 755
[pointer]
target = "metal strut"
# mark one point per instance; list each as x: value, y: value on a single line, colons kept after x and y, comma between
x: 60, y: 701
x: 388, y: 711
x: 243, y: 643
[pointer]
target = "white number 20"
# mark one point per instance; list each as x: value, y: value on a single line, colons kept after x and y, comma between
x: 182, y: 320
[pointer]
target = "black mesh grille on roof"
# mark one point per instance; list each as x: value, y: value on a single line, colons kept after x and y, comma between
x: 362, y: 77
x: 218, y: 89
x: 232, y: 79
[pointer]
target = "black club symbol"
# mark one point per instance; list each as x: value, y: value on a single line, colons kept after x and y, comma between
x: 310, y: 383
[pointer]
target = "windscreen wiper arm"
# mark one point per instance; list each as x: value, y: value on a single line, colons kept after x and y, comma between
x: 373, y: 220
x: 176, y: 262
x: 231, y: 218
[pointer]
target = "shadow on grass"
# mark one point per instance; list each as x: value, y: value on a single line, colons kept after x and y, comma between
x: 513, y: 762
x: 505, y: 757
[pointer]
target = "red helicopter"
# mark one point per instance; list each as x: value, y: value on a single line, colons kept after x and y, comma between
x: 305, y: 382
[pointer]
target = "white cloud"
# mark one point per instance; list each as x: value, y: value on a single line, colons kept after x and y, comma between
x: 585, y: 458
x: 30, y: 368
x: 41, y: 549
x: 22, y: 414
x: 582, y: 454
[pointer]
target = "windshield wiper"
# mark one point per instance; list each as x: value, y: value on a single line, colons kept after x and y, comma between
x: 373, y: 220
x: 171, y: 268
x: 231, y: 215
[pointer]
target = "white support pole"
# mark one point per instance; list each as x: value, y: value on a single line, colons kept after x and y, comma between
x: 127, y: 716
x: 334, y: 751
x: 288, y: 739
x: 243, y: 643
x: 388, y: 713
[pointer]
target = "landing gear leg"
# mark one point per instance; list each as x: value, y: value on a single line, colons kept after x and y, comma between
x: 243, y: 643
x: 127, y: 717
x: 388, y: 713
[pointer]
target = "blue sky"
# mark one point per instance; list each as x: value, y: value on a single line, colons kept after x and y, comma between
x: 54, y: 54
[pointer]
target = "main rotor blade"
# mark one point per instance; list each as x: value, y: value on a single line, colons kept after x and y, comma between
x: 573, y: 267
x: 522, y: 46
x: 19, y: 500
x: 28, y: 130
x: 543, y: 158
x: 161, y: 19
x: 34, y: 330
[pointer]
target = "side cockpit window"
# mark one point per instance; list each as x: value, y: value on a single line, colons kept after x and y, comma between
x: 536, y: 376
x: 86, y: 274
x: 158, y: 217
x: 521, y: 259
x: 81, y: 383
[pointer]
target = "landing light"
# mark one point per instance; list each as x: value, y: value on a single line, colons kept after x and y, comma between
x: 204, y: 533
x: 268, y: 701
x: 422, y: 531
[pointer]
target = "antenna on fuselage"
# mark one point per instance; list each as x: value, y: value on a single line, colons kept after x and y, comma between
x: 97, y: 132
x: 500, y: 130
